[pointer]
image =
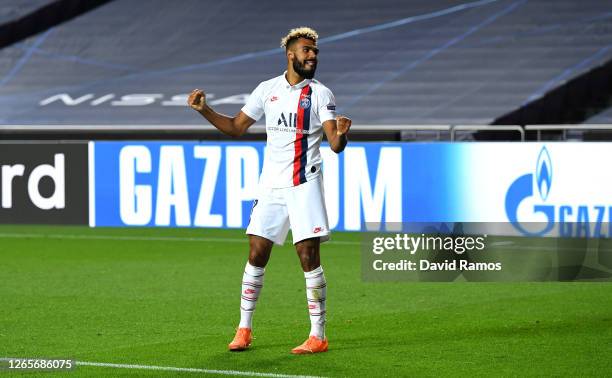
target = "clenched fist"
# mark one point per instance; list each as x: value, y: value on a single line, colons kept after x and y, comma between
x: 197, y: 100
x: 343, y: 124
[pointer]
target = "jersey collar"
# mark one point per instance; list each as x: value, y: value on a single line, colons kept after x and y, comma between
x: 299, y: 85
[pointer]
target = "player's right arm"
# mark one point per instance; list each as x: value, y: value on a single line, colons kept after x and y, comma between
x: 233, y: 126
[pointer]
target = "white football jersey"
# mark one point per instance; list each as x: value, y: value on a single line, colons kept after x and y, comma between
x: 294, y: 117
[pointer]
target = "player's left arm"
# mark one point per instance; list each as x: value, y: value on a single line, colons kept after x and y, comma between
x: 336, y: 131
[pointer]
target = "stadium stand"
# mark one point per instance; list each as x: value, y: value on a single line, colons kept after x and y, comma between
x: 20, y: 19
x: 418, y: 62
x: 603, y: 117
x: 15, y: 9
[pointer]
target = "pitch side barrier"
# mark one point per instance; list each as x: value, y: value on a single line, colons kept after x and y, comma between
x: 358, y: 132
x: 201, y: 132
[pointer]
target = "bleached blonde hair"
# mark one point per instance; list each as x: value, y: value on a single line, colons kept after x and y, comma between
x: 301, y: 32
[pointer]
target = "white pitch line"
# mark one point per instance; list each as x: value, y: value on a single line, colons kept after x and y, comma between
x: 139, y: 238
x: 191, y: 370
x: 179, y: 369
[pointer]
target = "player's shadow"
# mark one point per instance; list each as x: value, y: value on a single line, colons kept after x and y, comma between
x: 264, y: 360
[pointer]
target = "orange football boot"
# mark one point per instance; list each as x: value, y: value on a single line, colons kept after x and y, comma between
x: 312, y: 345
x: 242, y: 340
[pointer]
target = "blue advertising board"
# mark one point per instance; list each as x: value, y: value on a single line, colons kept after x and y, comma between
x: 213, y: 184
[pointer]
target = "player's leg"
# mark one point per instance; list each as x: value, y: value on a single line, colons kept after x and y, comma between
x: 308, y: 218
x: 316, y: 285
x: 268, y: 225
x: 260, y: 249
x: 316, y: 295
x: 253, y: 277
x: 308, y: 251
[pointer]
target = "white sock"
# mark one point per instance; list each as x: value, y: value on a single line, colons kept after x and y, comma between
x: 252, y: 282
x: 316, y: 293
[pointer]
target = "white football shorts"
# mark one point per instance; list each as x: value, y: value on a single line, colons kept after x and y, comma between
x: 301, y: 208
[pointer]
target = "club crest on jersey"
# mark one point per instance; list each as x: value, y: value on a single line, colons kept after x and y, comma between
x: 305, y: 103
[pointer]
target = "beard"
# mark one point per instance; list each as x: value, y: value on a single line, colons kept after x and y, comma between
x: 300, y: 69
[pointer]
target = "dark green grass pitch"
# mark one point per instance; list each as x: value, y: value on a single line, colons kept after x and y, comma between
x: 164, y: 297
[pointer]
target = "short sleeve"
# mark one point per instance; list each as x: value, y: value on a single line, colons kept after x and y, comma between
x: 254, y: 106
x: 327, y: 106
